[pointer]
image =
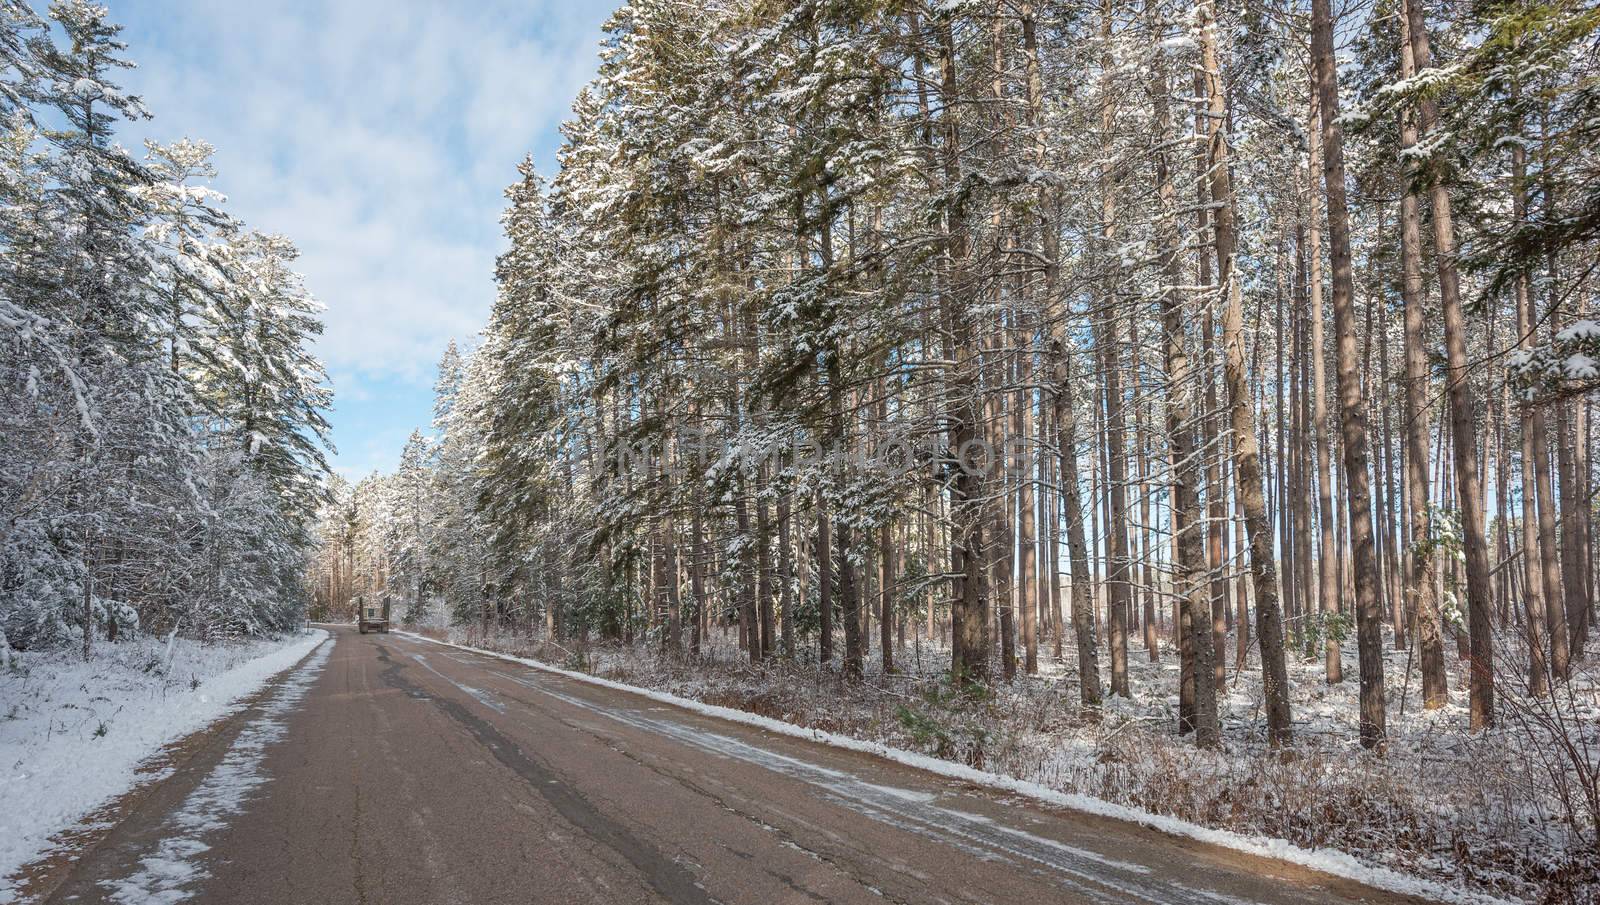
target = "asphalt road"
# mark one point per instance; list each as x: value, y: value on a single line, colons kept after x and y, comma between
x: 389, y: 770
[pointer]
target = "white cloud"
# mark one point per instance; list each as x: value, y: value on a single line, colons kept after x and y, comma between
x: 377, y: 135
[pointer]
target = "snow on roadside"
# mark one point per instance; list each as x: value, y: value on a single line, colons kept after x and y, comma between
x: 73, y: 735
x: 1326, y: 860
x: 169, y: 868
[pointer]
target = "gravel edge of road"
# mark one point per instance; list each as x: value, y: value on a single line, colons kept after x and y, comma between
x: 1329, y: 861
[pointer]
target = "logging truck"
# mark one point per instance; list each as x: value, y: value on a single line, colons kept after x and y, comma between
x: 372, y: 615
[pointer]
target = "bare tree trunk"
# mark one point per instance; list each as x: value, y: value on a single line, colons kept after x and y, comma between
x: 1536, y: 441
x: 1058, y: 502
x: 1050, y: 596
x: 1305, y: 471
x: 697, y: 583
x: 887, y: 568
x: 1247, y: 459
x: 1327, y: 579
x: 824, y: 558
x: 749, y: 621
x: 1352, y: 405
x: 1189, y: 567
x: 1109, y: 338
x: 1535, y: 595
x: 785, y: 578
x: 886, y: 580
x: 1389, y: 520
x: 849, y: 602
x: 970, y: 622
x: 764, y: 590
x: 1462, y: 424
x: 1022, y: 421
x: 1285, y: 507
x: 1117, y: 524
x: 1502, y: 461
x: 1419, y: 577
x: 1213, y: 446
x: 1000, y: 552
x: 1082, y: 602
x: 88, y: 603
x: 1152, y: 645
x: 1572, y: 512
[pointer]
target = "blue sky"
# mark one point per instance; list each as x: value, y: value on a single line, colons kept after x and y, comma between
x: 379, y: 135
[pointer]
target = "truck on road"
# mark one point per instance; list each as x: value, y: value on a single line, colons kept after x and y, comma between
x: 372, y: 615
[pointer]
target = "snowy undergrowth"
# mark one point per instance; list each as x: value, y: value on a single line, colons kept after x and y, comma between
x: 1474, y: 811
x: 75, y: 735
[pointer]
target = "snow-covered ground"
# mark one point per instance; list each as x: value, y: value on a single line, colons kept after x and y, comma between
x: 75, y: 735
x: 1481, y: 812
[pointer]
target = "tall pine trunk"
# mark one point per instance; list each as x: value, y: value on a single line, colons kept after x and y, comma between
x: 1352, y: 404
x: 1327, y: 558
x: 1419, y: 580
x: 1463, y: 425
x: 1248, y: 480
x: 1195, y: 647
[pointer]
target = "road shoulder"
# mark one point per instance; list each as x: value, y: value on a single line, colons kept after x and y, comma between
x: 88, y: 781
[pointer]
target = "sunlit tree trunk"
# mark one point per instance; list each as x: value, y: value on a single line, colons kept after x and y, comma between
x: 1462, y: 421
x: 1352, y: 404
x: 1247, y: 459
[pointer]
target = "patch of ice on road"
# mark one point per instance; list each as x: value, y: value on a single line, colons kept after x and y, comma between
x: 477, y: 694
x: 906, y: 794
x: 166, y: 874
x: 74, y: 734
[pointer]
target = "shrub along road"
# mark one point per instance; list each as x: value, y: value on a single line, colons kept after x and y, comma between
x: 386, y: 769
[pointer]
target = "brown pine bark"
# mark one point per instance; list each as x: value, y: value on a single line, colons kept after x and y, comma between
x: 1462, y: 421
x: 1108, y: 337
x: 1535, y: 595
x: 1152, y: 645
x: 1057, y: 499
x: 1027, y: 583
x: 1352, y: 405
x: 1000, y: 551
x: 1419, y: 580
x: 1572, y: 514
x: 764, y: 589
x: 1077, y: 550
x: 1248, y: 483
x: 785, y: 578
x: 697, y: 582
x: 1305, y: 472
x: 1197, y: 695
x: 850, y: 592
x: 749, y: 621
x: 1388, y: 521
x: 887, y: 569
x: 969, y: 618
x: 1286, y: 585
x: 1049, y: 595
x: 1327, y: 577
x: 824, y: 561
x: 1536, y: 441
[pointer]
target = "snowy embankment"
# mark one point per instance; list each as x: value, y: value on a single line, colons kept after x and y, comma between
x: 1450, y: 815
x: 76, y: 735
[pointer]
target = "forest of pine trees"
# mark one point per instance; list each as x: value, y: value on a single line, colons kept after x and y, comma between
x: 161, y: 416
x: 1228, y: 333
